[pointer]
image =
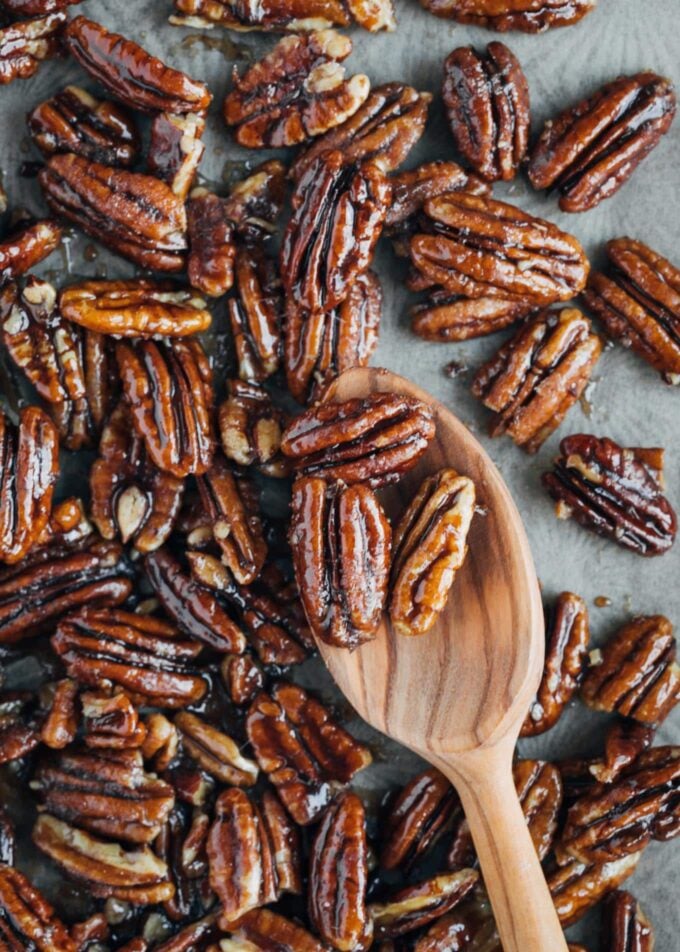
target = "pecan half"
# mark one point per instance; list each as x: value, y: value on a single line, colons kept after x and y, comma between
x: 161, y: 742
x: 27, y: 245
x: 487, y: 103
x: 111, y: 721
x: 613, y: 492
x: 448, y: 317
x: 417, y: 818
x: 340, y: 540
x: 27, y: 919
x: 636, y: 673
x: 373, y: 440
x: 566, y: 648
x: 539, y: 788
x: 214, y: 751
x: 638, y: 301
x: 285, y: 15
x: 74, y: 121
x: 212, y: 247
x: 251, y: 428
x: 255, y: 315
x: 624, y: 741
x: 285, y: 843
x: 430, y: 544
x: 538, y: 375
x: 176, y: 150
x: 626, y: 927
x: 19, y: 728
x: 243, y: 678
x: 182, y: 845
x: 255, y: 203
x: 590, y: 150
x: 26, y: 44
x: 262, y: 929
x: 576, y: 887
x: 529, y: 16
x: 60, y: 727
x: 417, y: 905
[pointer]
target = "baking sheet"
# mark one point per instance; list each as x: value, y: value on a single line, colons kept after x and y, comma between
x: 626, y: 400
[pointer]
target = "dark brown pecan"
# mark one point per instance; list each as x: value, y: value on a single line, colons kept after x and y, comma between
x: 624, y: 741
x: 262, y: 929
x: 212, y: 245
x: 418, y: 905
x: 566, y: 648
x: 196, y: 937
x: 135, y: 215
x: 132, y: 74
x: 255, y: 203
x: 576, y: 887
x: 636, y: 673
x: 251, y: 428
x: 255, y: 315
x: 176, y: 150
x: 626, y: 927
x: 373, y: 440
x: 19, y: 729
x: 538, y: 375
x: 60, y: 726
x: 340, y: 539
x: 430, y: 544
x: 111, y: 721
x: 448, y: 317
x: 161, y: 742
x: 182, y: 845
x: 338, y: 214
x: 29, y: 467
x: 319, y: 346
x: 529, y: 16
x: 136, y: 876
x: 142, y: 654
x: 168, y: 387
x: 27, y: 920
x: 25, y: 44
x: 243, y: 678
x: 613, y: 492
x: 539, y: 788
x: 590, y: 150
x: 34, y: 8
x: 284, y: 838
x: 417, y: 818
x: 638, y: 300
x: 459, y: 931
x: 384, y: 130
x: 214, y: 751
x: 27, y: 245
x: 487, y: 103
x: 464, y: 246
x: 285, y: 15
x: 74, y: 121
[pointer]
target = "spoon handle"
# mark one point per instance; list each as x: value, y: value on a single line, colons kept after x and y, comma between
x: 522, y: 904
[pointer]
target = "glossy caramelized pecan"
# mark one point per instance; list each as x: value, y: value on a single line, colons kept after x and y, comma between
x: 26, y: 44
x: 255, y: 315
x: 340, y: 540
x: 286, y: 847
x: 251, y: 428
x: 60, y: 726
x: 538, y: 375
x: 27, y: 920
x: 161, y: 741
x: 614, y: 492
x: 176, y: 150
x: 19, y: 727
x: 448, y: 317
x: 567, y: 638
x: 34, y: 8
x: 417, y: 818
x: 487, y: 103
x: 212, y: 244
x: 417, y: 905
x: 214, y: 751
x: 638, y: 300
x: 255, y: 203
x: 624, y: 741
x: 27, y: 245
x: 529, y: 16
x: 626, y: 927
x: 373, y: 440
x: 539, y: 788
x: 74, y: 121
x: 636, y: 673
x: 262, y: 929
x: 112, y: 722
x: 182, y: 845
x: 590, y: 150
x: 430, y: 544
x: 243, y: 678
x: 68, y: 527
x: 576, y: 887
x: 285, y: 15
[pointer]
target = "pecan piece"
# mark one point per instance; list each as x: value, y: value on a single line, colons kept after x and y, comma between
x: 576, y: 887
x: 27, y: 920
x: 243, y: 678
x: 214, y: 751
x: 19, y: 730
x: 262, y: 929
x: 285, y: 843
x: 373, y: 440
x: 26, y: 44
x: 417, y: 818
x: 34, y: 8
x: 448, y: 317
x: 74, y: 121
x: 255, y: 315
x: 613, y: 492
x: 212, y: 247
x: 636, y: 673
x: 487, y: 103
x: 538, y: 375
x: 61, y: 724
x: 161, y: 742
x: 182, y: 845
x: 27, y: 245
x: 254, y: 203
x: 7, y: 840
x: 626, y: 927
x: 176, y: 150
x: 286, y: 15
x: 529, y: 16
x: 539, y: 788
x: 590, y: 150
x: 340, y: 540
x: 418, y: 905
x: 251, y: 428
x: 111, y: 721
x: 430, y: 544
x: 624, y: 741
x: 567, y: 638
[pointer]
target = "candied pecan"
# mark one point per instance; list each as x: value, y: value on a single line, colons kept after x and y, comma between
x: 529, y: 16
x: 212, y: 247
x: 636, y: 673
x: 566, y: 648
x: 626, y: 927
x: 90, y: 931
x: 243, y: 678
x: 448, y: 317
x: 254, y: 203
x: 479, y: 247
x: 34, y: 8
x: 430, y: 544
x: 487, y: 103
x: 538, y: 375
x: 624, y: 742
x: 182, y: 845
x: 176, y: 150
x: 338, y: 213
x: 590, y: 150
x: 285, y: 15
x: 61, y: 724
x: 135, y: 215
x: 161, y: 742
x: 373, y: 440
x: 539, y: 788
x: 255, y: 315
x: 613, y: 492
x: 168, y: 387
x: 27, y: 920
x: 194, y: 937
x: 417, y: 905
x: 68, y: 526
x: 74, y: 121
x: 450, y: 933
x: 136, y: 876
x: 25, y: 44
x: 417, y: 818
x: 285, y: 844
x: 27, y: 245
x: 214, y: 751
x: 19, y: 730
x: 638, y: 301
x: 262, y: 929
x: 251, y: 428
x: 319, y: 346
x: 576, y: 887
x: 111, y: 721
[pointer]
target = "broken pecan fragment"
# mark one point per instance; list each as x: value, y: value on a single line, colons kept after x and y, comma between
x: 262, y: 930
x: 61, y: 724
x: 161, y: 742
x: 254, y: 203
x: 340, y: 540
x: 538, y: 375
x: 626, y: 927
x: 176, y: 150
x: 27, y: 920
x: 212, y: 248
x: 417, y: 818
x: 214, y: 751
x: 539, y: 789
x: 576, y: 887
x: 373, y: 440
x: 567, y: 638
x: 529, y: 16
x: 19, y: 729
x: 430, y: 544
x: 285, y: 843
x: 243, y: 678
x: 27, y: 245
x: 255, y: 315
x: 26, y: 44
x: 251, y: 428
x: 74, y: 121
x: 590, y: 150
x: 182, y: 845
x: 624, y: 741
x: 487, y: 103
x: 111, y: 721
x: 612, y: 491
x: 636, y: 673
x: 448, y: 317
x: 417, y: 905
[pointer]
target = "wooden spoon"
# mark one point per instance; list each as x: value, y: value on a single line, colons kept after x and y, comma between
x: 458, y: 694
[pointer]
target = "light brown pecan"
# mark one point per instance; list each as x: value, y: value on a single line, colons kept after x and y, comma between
x: 136, y: 876
x: 168, y: 387
x: 214, y: 751
x: 464, y: 246
x: 487, y: 103
x: 626, y: 927
x: 27, y: 245
x: 255, y: 315
x: 340, y: 539
x: 135, y: 215
x: 448, y: 317
x: 539, y: 788
x: 212, y: 244
x: 251, y: 428
x: 529, y: 16
x: 112, y: 722
x: 182, y: 845
x: 430, y: 544
x: 614, y: 492
x: 624, y: 741
x: 243, y: 678
x: 576, y: 887
x: 161, y: 742
x: 590, y: 150
x: 638, y: 300
x: 176, y: 150
x: 566, y: 648
x: 255, y: 203
x: 19, y: 727
x: 26, y: 44
x: 417, y: 818
x: 262, y: 929
x: 27, y: 919
x: 418, y: 905
x: 74, y: 121
x: 286, y: 15
x: 338, y: 214
x: 373, y: 440
x: 60, y: 727
x: 319, y: 346
x: 538, y: 375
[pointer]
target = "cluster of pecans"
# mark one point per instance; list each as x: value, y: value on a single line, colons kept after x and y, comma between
x: 181, y: 777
